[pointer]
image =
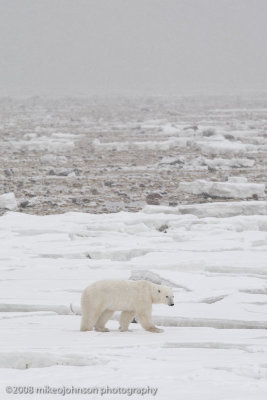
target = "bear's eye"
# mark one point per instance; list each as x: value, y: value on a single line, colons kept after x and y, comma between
x: 159, y: 291
x: 167, y: 297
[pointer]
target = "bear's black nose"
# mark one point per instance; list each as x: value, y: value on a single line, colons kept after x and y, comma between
x: 172, y: 304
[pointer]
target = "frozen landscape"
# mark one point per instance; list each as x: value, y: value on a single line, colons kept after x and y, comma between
x: 170, y: 190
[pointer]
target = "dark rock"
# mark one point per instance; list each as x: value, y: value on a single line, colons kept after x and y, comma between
x: 208, y: 132
x: 194, y: 127
x: 229, y: 137
x: 153, y: 199
x: 108, y: 183
x: 24, y: 204
x: 63, y: 173
x: 8, y: 172
x: 163, y: 228
x: 30, y: 194
x: 78, y: 172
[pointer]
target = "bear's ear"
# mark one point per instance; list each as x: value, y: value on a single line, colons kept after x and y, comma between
x: 159, y: 291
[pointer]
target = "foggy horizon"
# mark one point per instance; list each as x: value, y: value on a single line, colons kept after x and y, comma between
x: 125, y: 48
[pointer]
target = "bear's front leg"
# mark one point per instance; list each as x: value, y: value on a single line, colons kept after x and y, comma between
x: 155, y: 329
x: 145, y: 320
x: 125, y: 319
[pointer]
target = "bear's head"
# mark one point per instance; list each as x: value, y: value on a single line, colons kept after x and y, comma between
x: 163, y: 295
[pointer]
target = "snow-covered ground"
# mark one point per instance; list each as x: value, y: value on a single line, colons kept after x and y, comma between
x: 214, y: 256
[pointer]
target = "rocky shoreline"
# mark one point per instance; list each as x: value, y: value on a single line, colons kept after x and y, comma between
x: 109, y: 155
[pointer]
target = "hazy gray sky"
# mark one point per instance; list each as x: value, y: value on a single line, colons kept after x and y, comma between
x: 132, y: 46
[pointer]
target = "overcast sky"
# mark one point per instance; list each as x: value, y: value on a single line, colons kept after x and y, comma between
x: 92, y: 47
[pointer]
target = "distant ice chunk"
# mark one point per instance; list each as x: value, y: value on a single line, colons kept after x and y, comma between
x: 166, y: 145
x: 218, y: 209
x: 155, y: 278
x: 230, y: 190
x: 226, y: 163
x: 52, y: 159
x: 8, y: 201
x: 237, y: 179
x: 59, y: 309
x: 43, y: 143
x: 172, y: 160
x: 225, y: 147
x: 72, y: 175
x: 170, y: 129
x: 219, y: 323
x: 223, y: 210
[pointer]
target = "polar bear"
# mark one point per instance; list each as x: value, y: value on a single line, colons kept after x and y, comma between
x: 134, y: 298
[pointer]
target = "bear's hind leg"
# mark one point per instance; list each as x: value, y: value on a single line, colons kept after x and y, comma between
x: 102, y: 320
x: 89, y: 319
x: 125, y: 319
x: 84, y: 323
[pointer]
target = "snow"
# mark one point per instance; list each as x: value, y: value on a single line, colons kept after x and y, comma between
x: 213, y: 255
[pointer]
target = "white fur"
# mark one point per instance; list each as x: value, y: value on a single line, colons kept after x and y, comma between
x: 133, y: 298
